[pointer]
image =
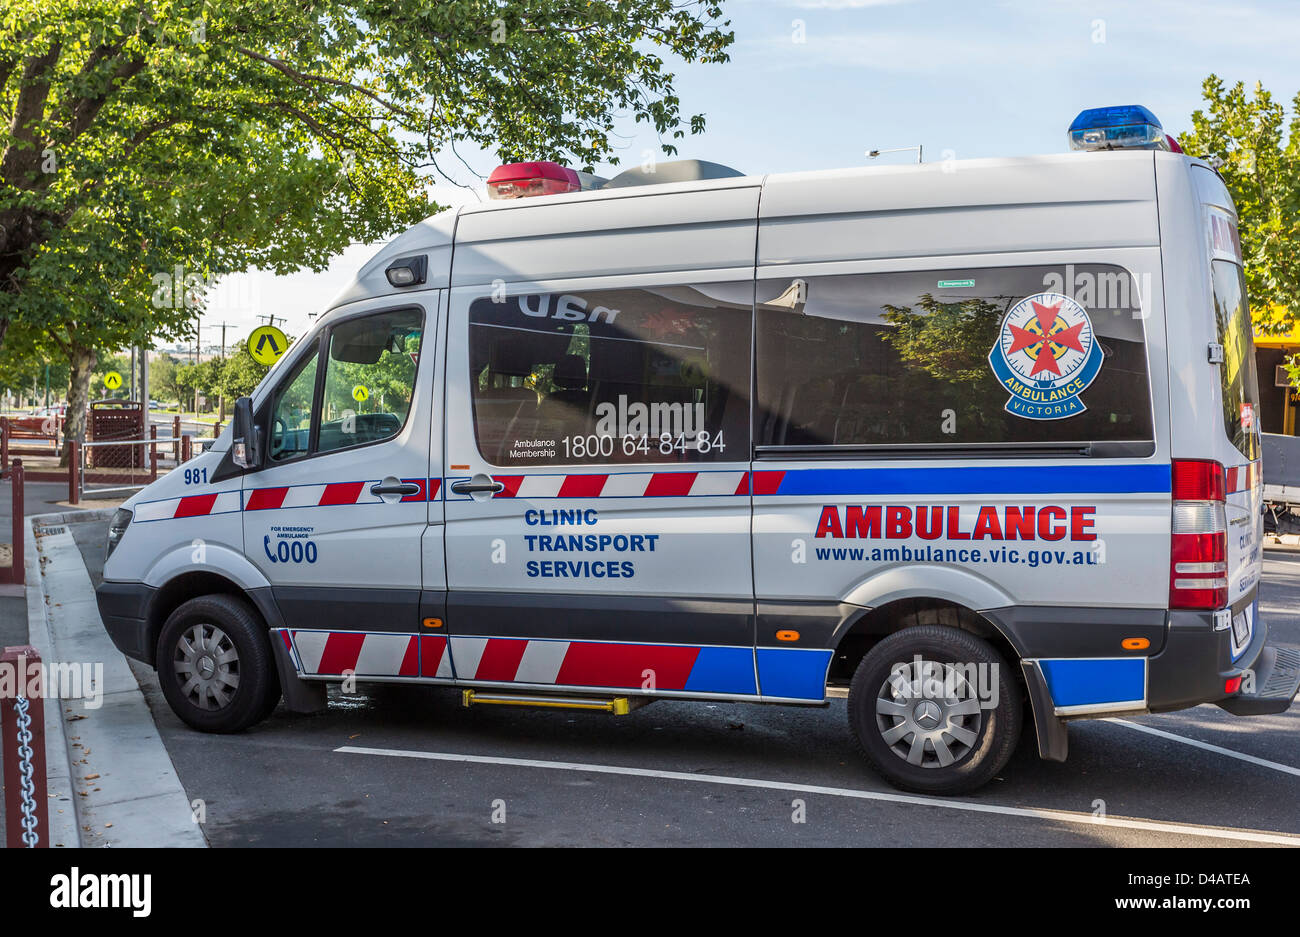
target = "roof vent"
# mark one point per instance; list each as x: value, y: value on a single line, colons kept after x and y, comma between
x: 679, y: 170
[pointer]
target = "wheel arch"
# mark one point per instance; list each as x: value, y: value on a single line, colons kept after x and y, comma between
x: 206, y: 569
x: 864, y: 631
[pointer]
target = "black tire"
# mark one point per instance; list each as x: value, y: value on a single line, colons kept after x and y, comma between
x: 213, y: 626
x: 976, y: 746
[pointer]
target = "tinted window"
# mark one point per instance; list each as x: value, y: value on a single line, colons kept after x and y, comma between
x: 369, y: 379
x: 291, y: 416
x: 366, y: 394
x: 612, y: 376
x: 904, y: 358
x: 1240, y: 384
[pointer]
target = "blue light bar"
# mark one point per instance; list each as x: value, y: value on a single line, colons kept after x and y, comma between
x: 1114, y: 128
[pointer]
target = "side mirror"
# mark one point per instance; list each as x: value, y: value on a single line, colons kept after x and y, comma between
x: 244, y: 448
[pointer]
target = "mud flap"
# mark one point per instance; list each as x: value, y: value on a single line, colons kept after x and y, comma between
x: 300, y: 696
x: 1053, y: 736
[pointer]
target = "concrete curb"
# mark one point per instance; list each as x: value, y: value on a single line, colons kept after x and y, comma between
x: 64, y: 829
x: 73, y: 517
x: 135, y: 798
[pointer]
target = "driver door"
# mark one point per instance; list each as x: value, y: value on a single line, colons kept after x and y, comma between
x: 335, y: 516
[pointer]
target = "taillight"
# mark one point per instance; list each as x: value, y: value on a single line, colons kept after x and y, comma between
x: 523, y: 180
x: 1198, y: 559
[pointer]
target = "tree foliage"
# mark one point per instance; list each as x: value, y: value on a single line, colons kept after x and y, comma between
x: 214, y: 135
x: 1259, y: 153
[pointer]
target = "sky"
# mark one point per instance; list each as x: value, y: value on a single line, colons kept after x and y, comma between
x: 814, y: 84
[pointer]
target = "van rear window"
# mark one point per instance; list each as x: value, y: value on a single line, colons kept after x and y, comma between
x: 951, y: 358
x: 1240, y: 384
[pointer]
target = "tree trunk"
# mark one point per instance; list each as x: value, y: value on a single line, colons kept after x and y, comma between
x: 82, y: 361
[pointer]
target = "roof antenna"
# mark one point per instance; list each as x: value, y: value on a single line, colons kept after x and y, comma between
x: 872, y: 154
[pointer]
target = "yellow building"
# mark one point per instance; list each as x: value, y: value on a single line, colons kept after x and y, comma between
x: 1278, y: 400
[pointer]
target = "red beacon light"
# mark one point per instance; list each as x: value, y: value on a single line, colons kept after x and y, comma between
x: 524, y: 180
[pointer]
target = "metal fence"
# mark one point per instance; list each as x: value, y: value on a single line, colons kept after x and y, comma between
x: 152, y: 456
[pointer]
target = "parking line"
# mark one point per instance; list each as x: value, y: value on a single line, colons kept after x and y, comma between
x: 1063, y: 816
x: 1241, y: 756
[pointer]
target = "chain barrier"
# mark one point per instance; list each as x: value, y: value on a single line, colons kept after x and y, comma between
x: 28, y: 786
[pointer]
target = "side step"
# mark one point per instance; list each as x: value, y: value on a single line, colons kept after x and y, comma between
x: 618, y: 705
x: 1277, y: 678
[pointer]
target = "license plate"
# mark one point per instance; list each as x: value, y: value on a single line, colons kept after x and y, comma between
x: 1241, y: 626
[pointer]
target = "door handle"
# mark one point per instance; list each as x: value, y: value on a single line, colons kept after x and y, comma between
x: 402, y: 488
x: 469, y: 486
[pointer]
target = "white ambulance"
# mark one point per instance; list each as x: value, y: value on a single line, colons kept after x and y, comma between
x: 969, y: 444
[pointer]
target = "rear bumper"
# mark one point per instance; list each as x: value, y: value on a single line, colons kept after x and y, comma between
x: 1196, y: 663
x: 1077, y: 656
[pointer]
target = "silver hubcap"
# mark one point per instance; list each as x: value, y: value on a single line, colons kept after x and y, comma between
x: 928, y: 714
x: 208, y: 666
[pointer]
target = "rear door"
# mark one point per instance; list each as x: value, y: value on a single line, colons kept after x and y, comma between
x: 335, y: 517
x: 1240, y: 441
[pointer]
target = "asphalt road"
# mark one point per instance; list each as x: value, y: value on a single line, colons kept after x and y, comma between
x: 676, y: 773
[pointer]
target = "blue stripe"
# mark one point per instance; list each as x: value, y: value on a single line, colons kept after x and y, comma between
x: 1081, y: 682
x: 990, y: 480
x: 723, y: 670
x: 793, y: 674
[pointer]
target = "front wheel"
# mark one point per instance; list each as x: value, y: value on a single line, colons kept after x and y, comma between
x: 215, y: 664
x: 935, y: 710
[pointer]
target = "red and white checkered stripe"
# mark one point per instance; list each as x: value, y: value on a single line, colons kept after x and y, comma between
x: 571, y: 663
x: 1242, y: 477
x: 625, y: 485
x: 370, y: 654
x: 217, y: 502
x: 332, y: 494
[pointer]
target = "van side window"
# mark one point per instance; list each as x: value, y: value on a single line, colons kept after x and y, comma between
x: 291, y: 416
x: 369, y: 379
x: 898, y: 359
x: 1232, y: 319
x: 613, y: 376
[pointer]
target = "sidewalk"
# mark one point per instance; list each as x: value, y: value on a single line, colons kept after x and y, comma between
x: 40, y: 498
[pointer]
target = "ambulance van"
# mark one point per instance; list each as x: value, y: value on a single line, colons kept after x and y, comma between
x: 971, y: 445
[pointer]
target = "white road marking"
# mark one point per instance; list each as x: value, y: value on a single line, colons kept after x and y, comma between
x: 1241, y: 756
x: 1064, y: 816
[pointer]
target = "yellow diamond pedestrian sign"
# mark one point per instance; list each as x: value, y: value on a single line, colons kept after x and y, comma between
x: 266, y: 344
x: 112, y: 380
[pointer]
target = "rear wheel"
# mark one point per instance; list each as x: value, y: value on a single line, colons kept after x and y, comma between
x: 935, y: 710
x: 215, y: 664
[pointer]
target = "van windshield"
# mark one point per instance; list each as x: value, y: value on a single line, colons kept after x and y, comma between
x: 1240, y: 385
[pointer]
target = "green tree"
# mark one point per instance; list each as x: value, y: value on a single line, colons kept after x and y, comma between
x: 103, y: 364
x: 1259, y: 156
x: 187, y: 383
x: 206, y: 136
x: 242, y: 374
x: 23, y: 367
x: 162, y: 378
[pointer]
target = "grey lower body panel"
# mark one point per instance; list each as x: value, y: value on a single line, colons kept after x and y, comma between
x: 340, y: 608
x: 653, y: 619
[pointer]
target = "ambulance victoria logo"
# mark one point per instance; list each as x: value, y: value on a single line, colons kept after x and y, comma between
x: 1046, y: 356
